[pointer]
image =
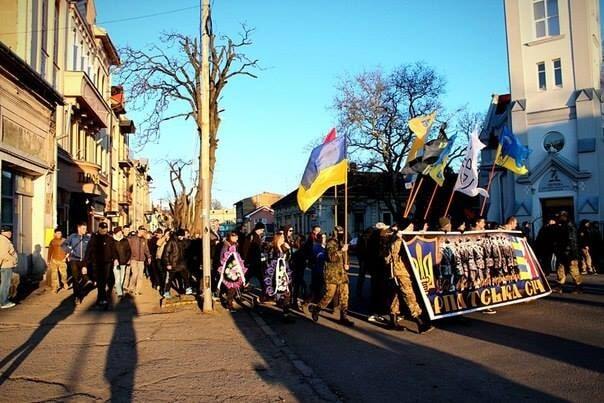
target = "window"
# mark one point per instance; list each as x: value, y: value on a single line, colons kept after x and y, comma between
x: 8, y: 198
x: 74, y: 65
x: 541, y: 76
x: 553, y: 142
x: 557, y: 73
x: 44, y: 42
x: 545, y: 13
x: 55, y: 45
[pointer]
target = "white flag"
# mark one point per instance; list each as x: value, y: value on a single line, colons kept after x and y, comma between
x: 467, y: 179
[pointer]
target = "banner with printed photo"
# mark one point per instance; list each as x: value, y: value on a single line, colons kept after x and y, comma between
x: 469, y: 272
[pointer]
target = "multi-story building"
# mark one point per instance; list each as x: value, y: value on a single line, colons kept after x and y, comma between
x: 84, y: 150
x: 30, y: 121
x: 555, y: 107
x: 64, y: 153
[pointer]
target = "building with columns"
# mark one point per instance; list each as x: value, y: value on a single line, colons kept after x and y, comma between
x: 555, y: 108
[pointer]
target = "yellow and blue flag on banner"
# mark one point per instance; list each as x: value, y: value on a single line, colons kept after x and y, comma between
x: 511, y: 153
x: 327, y: 166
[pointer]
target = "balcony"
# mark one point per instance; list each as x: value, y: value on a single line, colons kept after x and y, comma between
x: 125, y: 199
x: 79, y: 86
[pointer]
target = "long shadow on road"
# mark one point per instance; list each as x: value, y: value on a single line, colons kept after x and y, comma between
x: 122, y: 356
x: 554, y: 347
x: 371, y: 364
x: 12, y: 361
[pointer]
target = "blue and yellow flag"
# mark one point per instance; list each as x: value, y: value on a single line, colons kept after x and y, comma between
x: 437, y: 170
x: 326, y: 167
x: 511, y: 153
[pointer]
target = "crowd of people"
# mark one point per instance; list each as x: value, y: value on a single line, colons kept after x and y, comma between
x: 119, y: 260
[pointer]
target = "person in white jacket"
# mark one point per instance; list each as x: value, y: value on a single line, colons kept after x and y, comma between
x: 8, y: 262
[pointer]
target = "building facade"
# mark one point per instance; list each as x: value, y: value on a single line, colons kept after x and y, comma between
x: 555, y: 108
x: 30, y: 99
x: 64, y: 153
x: 249, y: 204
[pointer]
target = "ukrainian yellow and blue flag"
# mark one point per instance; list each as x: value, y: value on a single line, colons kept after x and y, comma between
x: 326, y: 167
x: 511, y: 153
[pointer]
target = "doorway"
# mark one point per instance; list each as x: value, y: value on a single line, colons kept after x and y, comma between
x: 551, y: 207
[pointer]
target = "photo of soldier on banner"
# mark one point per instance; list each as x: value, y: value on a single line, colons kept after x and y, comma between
x: 462, y: 273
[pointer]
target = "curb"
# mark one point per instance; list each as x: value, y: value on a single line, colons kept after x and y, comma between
x: 315, y: 382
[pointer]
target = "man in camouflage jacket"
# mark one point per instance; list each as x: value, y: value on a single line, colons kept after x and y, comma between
x: 336, y: 277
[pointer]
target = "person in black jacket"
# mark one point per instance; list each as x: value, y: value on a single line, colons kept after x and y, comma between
x: 101, y: 255
x: 174, y: 260
x: 254, y: 257
x: 544, y: 245
x: 567, y: 252
x: 123, y: 251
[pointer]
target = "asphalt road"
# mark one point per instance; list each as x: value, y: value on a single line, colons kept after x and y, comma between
x: 548, y: 350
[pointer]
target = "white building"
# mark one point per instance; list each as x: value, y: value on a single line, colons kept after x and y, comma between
x: 555, y: 107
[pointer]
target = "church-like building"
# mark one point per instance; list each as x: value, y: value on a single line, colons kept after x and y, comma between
x: 555, y: 108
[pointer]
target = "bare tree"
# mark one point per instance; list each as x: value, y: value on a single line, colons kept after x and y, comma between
x: 181, y: 205
x: 465, y: 123
x: 216, y: 204
x: 373, y: 110
x: 163, y: 80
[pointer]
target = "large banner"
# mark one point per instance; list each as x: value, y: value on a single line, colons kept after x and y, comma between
x: 473, y: 271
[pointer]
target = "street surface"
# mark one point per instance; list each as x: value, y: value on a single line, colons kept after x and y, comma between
x: 548, y: 350
x: 53, y: 352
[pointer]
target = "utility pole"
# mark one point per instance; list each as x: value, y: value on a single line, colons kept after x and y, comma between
x: 204, y: 161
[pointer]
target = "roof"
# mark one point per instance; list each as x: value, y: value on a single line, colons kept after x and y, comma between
x: 368, y: 185
x: 108, y: 45
x: 248, y: 215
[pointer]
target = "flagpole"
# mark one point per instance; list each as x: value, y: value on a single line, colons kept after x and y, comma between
x: 410, y: 204
x: 409, y: 198
x: 335, y: 198
x: 346, y: 207
x: 431, y: 200
x: 449, y: 204
x: 491, y: 175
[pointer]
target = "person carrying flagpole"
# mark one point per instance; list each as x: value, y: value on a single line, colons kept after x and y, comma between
x: 328, y: 166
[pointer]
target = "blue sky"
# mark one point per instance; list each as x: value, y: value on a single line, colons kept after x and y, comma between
x: 304, y: 48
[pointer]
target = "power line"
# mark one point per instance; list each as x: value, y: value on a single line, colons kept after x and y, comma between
x: 115, y: 21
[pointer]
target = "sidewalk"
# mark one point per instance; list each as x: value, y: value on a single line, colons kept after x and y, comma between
x: 52, y: 350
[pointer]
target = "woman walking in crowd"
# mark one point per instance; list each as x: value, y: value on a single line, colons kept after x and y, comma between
x: 278, y: 276
x: 298, y: 263
x: 231, y: 270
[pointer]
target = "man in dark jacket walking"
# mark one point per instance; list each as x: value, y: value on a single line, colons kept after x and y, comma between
x: 175, y: 262
x: 567, y: 252
x: 101, y: 255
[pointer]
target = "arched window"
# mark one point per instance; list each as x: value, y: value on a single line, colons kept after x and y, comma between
x: 553, y: 142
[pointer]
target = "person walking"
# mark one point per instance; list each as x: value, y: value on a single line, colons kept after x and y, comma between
x: 231, y: 270
x: 336, y: 278
x: 596, y: 245
x: 8, y: 263
x: 254, y: 257
x: 139, y: 256
x: 545, y: 246
x: 278, y: 274
x: 101, y: 255
x: 402, y: 283
x: 123, y: 252
x: 298, y: 266
x: 57, y: 263
x: 363, y: 257
x: 155, y: 266
x: 175, y: 262
x: 567, y: 253
x: 76, y: 246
